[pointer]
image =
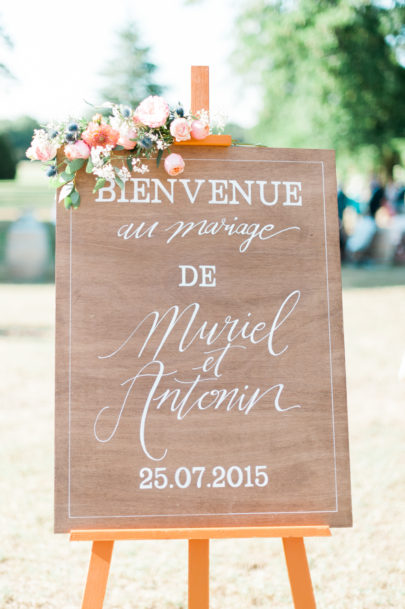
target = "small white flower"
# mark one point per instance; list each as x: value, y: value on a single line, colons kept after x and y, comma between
x: 121, y: 118
x: 99, y: 154
x: 116, y: 123
x: 58, y: 128
x: 124, y: 174
x: 219, y: 120
x: 138, y: 168
x: 41, y: 135
x: 204, y: 116
x: 95, y: 156
x: 107, y: 171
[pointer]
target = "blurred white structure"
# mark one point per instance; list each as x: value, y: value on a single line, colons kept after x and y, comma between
x: 27, y: 249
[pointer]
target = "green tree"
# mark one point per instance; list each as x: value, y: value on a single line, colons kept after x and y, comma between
x: 129, y: 75
x: 8, y: 162
x: 19, y: 133
x: 329, y: 73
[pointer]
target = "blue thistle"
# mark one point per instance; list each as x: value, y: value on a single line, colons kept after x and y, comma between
x: 145, y: 142
x: 73, y: 127
x: 51, y: 171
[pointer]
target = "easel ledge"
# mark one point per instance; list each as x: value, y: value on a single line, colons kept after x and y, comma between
x: 199, y: 533
x: 210, y: 140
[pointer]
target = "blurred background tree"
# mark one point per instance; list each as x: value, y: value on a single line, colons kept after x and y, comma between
x: 19, y: 133
x: 8, y: 160
x: 330, y: 74
x: 129, y: 75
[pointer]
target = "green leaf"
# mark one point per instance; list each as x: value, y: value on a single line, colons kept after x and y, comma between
x: 129, y: 163
x: 119, y: 147
x: 74, y: 165
x: 159, y: 157
x: 66, y: 191
x: 89, y: 166
x: 68, y: 202
x: 55, y: 182
x: 75, y: 198
x: 99, y: 184
x: 64, y: 177
x: 119, y: 182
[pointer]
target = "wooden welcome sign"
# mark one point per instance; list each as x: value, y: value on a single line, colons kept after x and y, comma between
x: 200, y: 373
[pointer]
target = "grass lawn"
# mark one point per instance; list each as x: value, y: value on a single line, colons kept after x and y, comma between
x: 30, y: 190
x: 359, y: 568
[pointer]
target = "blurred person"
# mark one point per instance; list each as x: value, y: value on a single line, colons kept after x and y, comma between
x: 359, y: 244
x: 399, y: 203
x: 399, y: 226
x: 377, y: 199
x: 342, y: 204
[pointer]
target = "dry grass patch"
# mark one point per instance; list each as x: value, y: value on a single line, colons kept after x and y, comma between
x: 361, y: 568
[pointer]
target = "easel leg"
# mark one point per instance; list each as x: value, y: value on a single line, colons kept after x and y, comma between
x: 198, y: 574
x: 298, y: 573
x: 97, y: 576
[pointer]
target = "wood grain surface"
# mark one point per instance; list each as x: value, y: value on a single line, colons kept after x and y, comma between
x: 201, y: 405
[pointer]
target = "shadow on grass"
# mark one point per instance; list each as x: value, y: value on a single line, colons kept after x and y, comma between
x: 373, y: 276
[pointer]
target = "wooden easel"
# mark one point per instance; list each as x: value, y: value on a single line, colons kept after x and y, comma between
x: 198, y: 538
x: 198, y: 558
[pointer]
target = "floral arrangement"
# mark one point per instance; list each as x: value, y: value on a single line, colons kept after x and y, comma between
x: 132, y: 135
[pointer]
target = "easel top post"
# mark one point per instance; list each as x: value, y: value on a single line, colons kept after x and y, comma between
x: 200, y: 88
x: 200, y: 100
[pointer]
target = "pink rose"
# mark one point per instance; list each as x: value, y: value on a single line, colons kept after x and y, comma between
x: 78, y: 150
x: 180, y: 129
x: 127, y: 137
x: 199, y: 130
x: 152, y: 111
x: 174, y: 164
x: 41, y: 150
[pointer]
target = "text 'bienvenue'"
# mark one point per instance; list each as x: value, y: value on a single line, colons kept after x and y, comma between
x: 216, y: 192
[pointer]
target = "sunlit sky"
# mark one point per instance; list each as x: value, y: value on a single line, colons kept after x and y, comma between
x: 61, y: 47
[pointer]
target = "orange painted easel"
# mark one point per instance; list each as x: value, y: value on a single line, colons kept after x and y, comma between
x: 198, y: 558
x: 199, y: 538
x: 200, y: 100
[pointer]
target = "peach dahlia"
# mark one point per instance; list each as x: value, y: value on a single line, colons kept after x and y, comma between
x: 100, y: 134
